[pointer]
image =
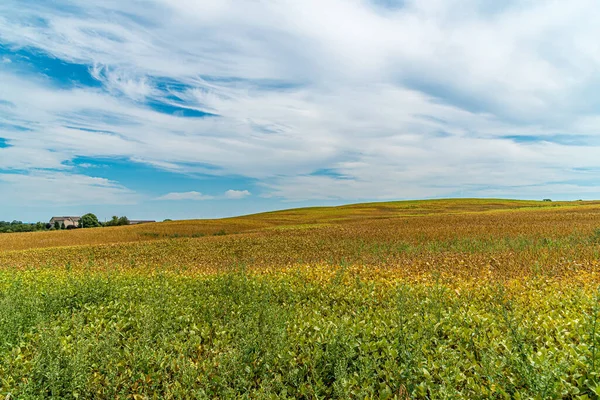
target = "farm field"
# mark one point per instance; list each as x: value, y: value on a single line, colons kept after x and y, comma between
x: 439, y: 299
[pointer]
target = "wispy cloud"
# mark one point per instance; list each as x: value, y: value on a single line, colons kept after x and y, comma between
x: 230, y: 194
x: 185, y: 196
x: 59, y: 188
x: 123, y: 82
x: 237, y: 194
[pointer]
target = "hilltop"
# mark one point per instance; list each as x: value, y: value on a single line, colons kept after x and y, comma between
x: 301, y: 218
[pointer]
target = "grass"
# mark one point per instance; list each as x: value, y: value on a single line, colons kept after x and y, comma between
x: 448, y: 299
x: 303, y: 334
x: 316, y: 217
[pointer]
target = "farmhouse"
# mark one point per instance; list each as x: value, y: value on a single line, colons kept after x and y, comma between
x: 66, y: 221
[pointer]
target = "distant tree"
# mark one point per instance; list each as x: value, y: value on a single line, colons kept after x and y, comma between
x: 113, y: 222
x: 48, y: 225
x: 116, y: 221
x: 56, y: 225
x: 89, y: 221
x: 18, y: 226
x: 547, y: 199
x: 62, y: 225
x: 167, y: 220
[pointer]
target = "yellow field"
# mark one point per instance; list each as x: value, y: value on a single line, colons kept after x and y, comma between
x: 506, y: 238
x: 290, y: 219
x: 421, y: 299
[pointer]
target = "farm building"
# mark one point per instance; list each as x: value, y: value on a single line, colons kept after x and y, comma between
x: 66, y: 221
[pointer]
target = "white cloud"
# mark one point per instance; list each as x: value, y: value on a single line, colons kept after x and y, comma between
x: 59, y: 188
x: 417, y: 100
x: 237, y: 194
x: 25, y: 158
x: 185, y: 196
x: 123, y: 82
x: 230, y: 194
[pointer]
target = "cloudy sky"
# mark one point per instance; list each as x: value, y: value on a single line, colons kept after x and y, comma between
x: 205, y: 108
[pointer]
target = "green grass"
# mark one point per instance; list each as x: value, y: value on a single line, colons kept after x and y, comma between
x: 104, y: 335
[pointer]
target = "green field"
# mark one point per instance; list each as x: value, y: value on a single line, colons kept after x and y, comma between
x: 472, y: 299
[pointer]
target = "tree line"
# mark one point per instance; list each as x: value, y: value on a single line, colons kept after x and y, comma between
x: 91, y: 221
x: 87, y: 221
x: 19, y: 226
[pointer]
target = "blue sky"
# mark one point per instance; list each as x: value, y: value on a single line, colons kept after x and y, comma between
x: 199, y: 109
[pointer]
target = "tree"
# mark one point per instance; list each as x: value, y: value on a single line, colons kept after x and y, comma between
x: 62, y: 225
x: 56, y: 225
x: 116, y: 221
x: 113, y: 222
x: 18, y: 226
x: 89, y: 221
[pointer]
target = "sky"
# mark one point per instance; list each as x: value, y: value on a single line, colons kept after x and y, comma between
x: 201, y: 108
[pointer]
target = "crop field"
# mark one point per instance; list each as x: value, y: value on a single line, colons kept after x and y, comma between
x: 445, y: 299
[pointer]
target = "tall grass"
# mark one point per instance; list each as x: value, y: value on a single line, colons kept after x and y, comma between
x: 239, y: 335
